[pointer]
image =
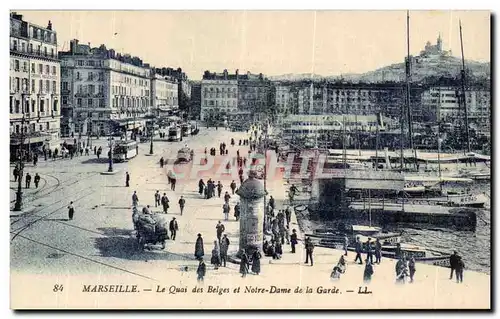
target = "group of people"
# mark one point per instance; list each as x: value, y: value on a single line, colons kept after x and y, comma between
x: 27, y: 180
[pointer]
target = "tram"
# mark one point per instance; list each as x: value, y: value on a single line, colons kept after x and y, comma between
x: 124, y: 150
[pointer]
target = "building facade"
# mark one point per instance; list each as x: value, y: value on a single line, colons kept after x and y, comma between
x: 318, y: 98
x: 235, y: 97
x: 444, y: 105
x: 34, y: 85
x: 102, y: 91
x: 165, y: 94
x: 195, y: 99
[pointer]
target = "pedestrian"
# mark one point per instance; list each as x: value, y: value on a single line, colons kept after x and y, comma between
x: 293, y: 240
x: 37, y: 180
x: 369, y: 253
x: 173, y: 181
x: 35, y: 159
x: 459, y: 270
x: 86, y: 151
x: 164, y: 203
x: 378, y: 251
x: 201, y: 271
x: 243, y: 263
x: 162, y: 162
x: 401, y: 270
x: 199, y: 252
x: 219, y: 188
x: 224, y: 247
x: 71, y: 211
x: 157, y: 198
x: 182, y: 203
x: 346, y: 244
x: 81, y: 151
x: 220, y: 229
x: 95, y: 150
x: 28, y: 180
x: 288, y: 215
x: 256, y: 256
x: 233, y: 186
x: 201, y: 186
x: 358, y: 248
x: 135, y: 199
x: 127, y: 179
x: 453, y: 263
x: 309, y: 250
x: 367, y: 274
x: 226, y: 197
x: 225, y: 210
x: 237, y: 211
x: 16, y: 173
x: 287, y: 235
x: 411, y: 268
x: 173, y: 227
x: 215, y: 260
x: 272, y: 203
x: 278, y: 249
x: 44, y: 153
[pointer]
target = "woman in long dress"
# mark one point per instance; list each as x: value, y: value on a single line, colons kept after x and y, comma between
x: 216, y: 255
x: 198, y: 248
x: 256, y: 256
x: 244, y: 264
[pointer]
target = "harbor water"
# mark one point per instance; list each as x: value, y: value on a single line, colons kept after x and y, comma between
x: 473, y: 246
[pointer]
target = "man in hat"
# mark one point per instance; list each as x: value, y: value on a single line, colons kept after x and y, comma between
x: 174, y: 227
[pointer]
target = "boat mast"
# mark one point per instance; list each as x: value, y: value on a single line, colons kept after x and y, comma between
x: 408, y: 79
x: 463, y: 90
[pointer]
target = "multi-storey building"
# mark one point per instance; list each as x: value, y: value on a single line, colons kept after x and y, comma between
x: 234, y: 97
x: 102, y: 91
x: 219, y: 95
x: 183, y: 90
x: 342, y: 98
x: 444, y: 105
x: 34, y: 85
x: 164, y: 90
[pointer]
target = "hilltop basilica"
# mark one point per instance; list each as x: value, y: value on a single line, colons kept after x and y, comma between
x: 435, y: 50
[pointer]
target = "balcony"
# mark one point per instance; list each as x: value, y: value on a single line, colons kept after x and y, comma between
x: 29, y: 137
x: 82, y: 94
x: 65, y: 92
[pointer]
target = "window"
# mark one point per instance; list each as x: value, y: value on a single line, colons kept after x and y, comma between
x: 101, y: 76
x: 101, y: 115
x: 42, y: 106
x: 40, y: 69
x: 17, y: 107
x: 55, y: 106
x: 54, y: 70
x: 33, y: 68
x: 33, y: 106
x: 101, y: 103
x: 90, y: 76
x: 90, y: 63
x: 78, y: 75
x: 64, y: 100
x: 48, y: 125
x: 65, y: 86
x: 45, y: 51
x: 89, y: 101
x: 40, y: 86
x: 15, y: 45
x: 30, y: 50
x: 101, y: 89
x: 47, y: 69
x: 79, y: 62
x: 47, y: 86
x: 38, y: 48
x: 79, y: 102
x: 91, y: 89
x: 16, y: 65
x: 11, y: 106
x: 17, y: 84
x: 52, y: 52
x: 54, y: 87
x: 25, y: 66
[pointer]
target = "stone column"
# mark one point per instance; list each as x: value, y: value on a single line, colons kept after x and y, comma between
x: 251, y: 195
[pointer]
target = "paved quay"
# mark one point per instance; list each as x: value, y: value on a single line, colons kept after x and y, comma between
x: 98, y: 247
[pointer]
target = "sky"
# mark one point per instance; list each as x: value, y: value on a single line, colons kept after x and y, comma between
x: 270, y: 42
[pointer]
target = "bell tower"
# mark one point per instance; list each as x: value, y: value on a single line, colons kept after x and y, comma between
x: 439, y: 43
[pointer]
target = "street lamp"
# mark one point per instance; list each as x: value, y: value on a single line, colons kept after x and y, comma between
x: 110, y: 167
x: 19, y: 194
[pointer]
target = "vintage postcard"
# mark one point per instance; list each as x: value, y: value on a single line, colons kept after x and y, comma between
x: 250, y: 159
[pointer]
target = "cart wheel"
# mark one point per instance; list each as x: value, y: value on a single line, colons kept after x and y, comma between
x: 163, y: 244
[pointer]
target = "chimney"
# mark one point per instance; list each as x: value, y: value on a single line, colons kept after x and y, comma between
x: 72, y: 46
x: 49, y: 26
